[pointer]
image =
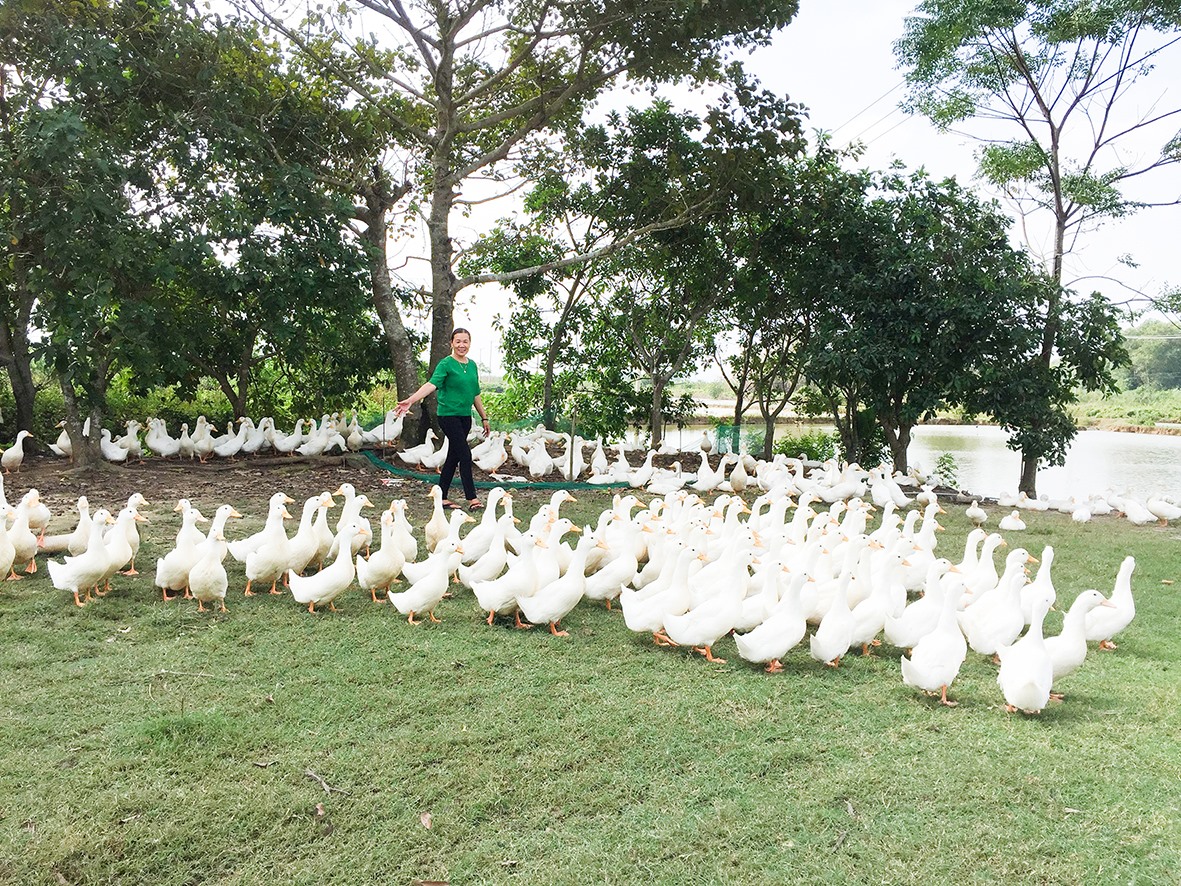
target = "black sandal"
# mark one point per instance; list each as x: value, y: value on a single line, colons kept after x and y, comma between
x: 450, y: 506
x: 475, y: 505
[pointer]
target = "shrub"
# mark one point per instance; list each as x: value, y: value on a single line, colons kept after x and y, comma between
x: 812, y: 445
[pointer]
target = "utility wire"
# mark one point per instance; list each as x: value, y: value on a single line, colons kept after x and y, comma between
x: 867, y: 107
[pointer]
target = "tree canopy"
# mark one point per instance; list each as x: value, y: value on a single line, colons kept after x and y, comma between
x: 1062, y: 78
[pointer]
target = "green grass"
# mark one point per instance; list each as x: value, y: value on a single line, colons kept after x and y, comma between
x: 1143, y: 407
x: 146, y: 743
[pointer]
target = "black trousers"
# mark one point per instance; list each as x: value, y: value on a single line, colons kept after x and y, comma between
x: 455, y: 429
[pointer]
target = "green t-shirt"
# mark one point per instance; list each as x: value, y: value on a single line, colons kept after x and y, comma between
x: 457, y: 384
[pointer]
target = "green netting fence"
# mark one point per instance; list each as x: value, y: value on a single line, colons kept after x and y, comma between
x: 377, y: 461
x: 728, y: 438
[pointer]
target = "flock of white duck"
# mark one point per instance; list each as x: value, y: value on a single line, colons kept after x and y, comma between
x: 540, y: 453
x: 332, y: 433
x: 684, y: 570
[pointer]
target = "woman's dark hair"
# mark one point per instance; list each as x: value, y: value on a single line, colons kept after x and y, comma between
x: 456, y: 331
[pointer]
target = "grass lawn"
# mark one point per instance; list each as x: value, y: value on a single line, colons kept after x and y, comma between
x: 144, y: 742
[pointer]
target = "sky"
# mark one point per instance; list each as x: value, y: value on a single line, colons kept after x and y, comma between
x: 837, y: 59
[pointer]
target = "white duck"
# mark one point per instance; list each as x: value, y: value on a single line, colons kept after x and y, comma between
x: 1042, y: 583
x: 779, y: 633
x: 922, y: 616
x: 243, y: 546
x: 350, y: 512
x: 976, y: 514
x: 384, y: 565
x: 499, y: 595
x: 994, y: 619
x: 492, y: 562
x: 1068, y: 649
x: 477, y: 542
x: 1012, y: 523
x: 1104, y: 623
x: 414, y: 570
x: 14, y: 455
x: 644, y: 611
x: 1136, y: 513
x: 111, y: 450
x: 64, y: 445
x: 432, y: 461
x: 703, y: 625
x: 172, y: 570
x: 424, y: 595
x: 436, y: 527
x: 130, y: 441
x: 184, y: 442
x: 551, y: 603
x: 267, y: 562
x: 331, y: 581
x: 1163, y: 509
x: 131, y: 529
x: 231, y: 447
x: 159, y: 441
x: 1027, y: 672
x: 84, y: 572
x: 834, y: 635
x: 118, y: 544
x: 207, y: 578
x: 7, y: 551
x: 935, y: 660
x: 304, y: 545
x: 286, y: 444
x: 620, y: 570
x: 73, y: 542
x: 21, y: 535
x: 403, y: 531
x: 415, y: 454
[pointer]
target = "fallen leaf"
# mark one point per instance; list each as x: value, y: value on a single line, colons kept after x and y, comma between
x: 126, y: 630
x: 265, y: 765
x: 320, y: 811
x: 270, y: 699
x: 425, y: 818
x: 1068, y: 810
x: 1166, y: 581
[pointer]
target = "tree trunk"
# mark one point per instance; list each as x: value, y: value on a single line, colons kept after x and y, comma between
x: 1028, y: 483
x: 86, y: 452
x: 656, y: 415
x: 380, y: 198
x: 768, y: 435
x: 442, y: 199
x: 551, y: 357
x: 14, y: 354
x: 899, y: 440
x: 14, y: 342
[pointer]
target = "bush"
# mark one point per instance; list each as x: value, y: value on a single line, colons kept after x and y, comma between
x: 811, y: 445
x: 947, y: 471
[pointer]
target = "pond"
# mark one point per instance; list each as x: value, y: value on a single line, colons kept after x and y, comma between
x: 1098, y: 461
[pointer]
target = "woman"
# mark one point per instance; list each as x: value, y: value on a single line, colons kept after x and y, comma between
x: 458, y: 382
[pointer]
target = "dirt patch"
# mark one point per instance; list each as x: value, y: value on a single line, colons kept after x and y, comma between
x: 246, y: 483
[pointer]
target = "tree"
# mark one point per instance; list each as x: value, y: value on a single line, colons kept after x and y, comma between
x: 1032, y: 401
x: 1154, y: 348
x: 781, y: 272
x: 677, y: 176
x: 1062, y: 75
x: 470, y: 82
x: 158, y: 230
